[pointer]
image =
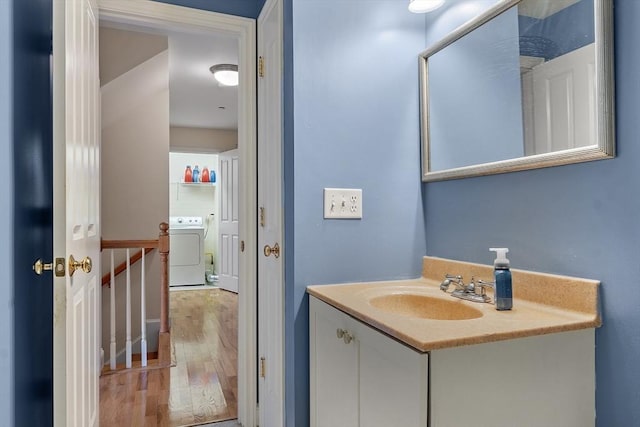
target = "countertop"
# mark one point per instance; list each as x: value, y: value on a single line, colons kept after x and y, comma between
x: 542, y: 304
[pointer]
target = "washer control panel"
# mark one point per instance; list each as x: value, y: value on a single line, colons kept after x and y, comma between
x: 185, y: 221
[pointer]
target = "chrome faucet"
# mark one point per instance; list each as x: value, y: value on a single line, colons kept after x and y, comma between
x: 475, y: 292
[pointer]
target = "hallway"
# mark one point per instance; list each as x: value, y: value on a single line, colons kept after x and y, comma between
x: 201, y: 388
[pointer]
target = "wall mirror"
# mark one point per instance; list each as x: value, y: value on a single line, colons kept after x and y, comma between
x: 528, y: 84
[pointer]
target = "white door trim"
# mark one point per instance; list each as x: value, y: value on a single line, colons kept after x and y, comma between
x: 176, y: 17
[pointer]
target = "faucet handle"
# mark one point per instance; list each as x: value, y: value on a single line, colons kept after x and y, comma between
x: 483, y: 284
x: 448, y: 280
x: 486, y: 284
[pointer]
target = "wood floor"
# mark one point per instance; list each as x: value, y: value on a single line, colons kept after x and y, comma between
x: 201, y: 388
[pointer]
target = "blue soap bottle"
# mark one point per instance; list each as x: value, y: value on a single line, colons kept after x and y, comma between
x: 502, y: 275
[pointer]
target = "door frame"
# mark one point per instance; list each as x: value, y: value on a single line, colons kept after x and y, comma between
x: 178, y: 17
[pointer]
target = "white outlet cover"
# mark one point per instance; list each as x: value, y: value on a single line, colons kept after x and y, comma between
x: 343, y: 203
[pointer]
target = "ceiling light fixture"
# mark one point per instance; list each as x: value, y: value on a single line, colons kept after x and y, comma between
x: 225, y: 74
x: 424, y: 6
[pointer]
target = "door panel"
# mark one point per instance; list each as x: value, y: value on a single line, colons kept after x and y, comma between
x: 270, y: 268
x: 228, y: 181
x: 82, y: 192
x: 334, y: 368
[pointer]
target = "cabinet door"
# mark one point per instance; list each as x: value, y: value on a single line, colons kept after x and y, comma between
x: 545, y: 380
x: 393, y: 381
x: 334, y: 368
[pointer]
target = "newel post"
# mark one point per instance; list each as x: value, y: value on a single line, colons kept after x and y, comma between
x: 163, y: 249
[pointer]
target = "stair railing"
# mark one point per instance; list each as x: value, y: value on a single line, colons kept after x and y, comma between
x: 145, y: 246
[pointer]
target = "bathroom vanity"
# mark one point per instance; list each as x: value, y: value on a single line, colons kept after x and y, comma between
x: 404, y: 353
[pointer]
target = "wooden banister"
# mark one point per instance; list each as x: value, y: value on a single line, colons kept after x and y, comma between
x: 163, y: 248
x: 106, y: 279
x: 128, y: 244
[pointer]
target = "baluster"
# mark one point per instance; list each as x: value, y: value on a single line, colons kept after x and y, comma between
x: 128, y: 344
x: 143, y: 315
x: 112, y: 292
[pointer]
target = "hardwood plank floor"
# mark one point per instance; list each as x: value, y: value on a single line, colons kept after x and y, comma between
x: 201, y: 388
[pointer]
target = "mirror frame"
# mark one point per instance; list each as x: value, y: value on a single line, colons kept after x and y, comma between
x: 605, y: 116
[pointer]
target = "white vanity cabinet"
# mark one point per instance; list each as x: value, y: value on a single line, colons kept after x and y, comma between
x: 372, y: 380
x: 367, y: 379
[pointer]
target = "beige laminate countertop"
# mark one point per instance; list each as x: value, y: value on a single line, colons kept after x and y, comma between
x: 542, y: 304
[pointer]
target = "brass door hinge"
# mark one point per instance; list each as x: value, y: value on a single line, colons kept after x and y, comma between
x: 241, y: 245
x: 260, y: 66
x: 262, y: 216
x: 262, y: 367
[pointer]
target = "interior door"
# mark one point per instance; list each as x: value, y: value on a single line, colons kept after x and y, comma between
x: 229, y: 212
x: 77, y: 177
x: 564, y: 97
x: 270, y: 241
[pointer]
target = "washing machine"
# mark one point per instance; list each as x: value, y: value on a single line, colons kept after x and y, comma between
x: 186, y: 251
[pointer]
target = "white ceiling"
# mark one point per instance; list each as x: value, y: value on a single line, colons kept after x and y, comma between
x: 195, y: 96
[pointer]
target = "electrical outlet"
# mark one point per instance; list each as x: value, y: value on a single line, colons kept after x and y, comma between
x: 342, y: 203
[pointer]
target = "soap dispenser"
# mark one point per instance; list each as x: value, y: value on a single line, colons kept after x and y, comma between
x: 502, y: 275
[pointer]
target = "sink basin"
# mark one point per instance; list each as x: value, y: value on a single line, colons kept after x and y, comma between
x: 425, y: 307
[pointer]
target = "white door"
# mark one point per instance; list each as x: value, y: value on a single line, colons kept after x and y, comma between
x: 77, y: 189
x: 270, y: 235
x: 564, y: 96
x: 229, y: 213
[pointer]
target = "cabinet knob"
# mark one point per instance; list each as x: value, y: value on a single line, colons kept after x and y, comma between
x: 345, y: 335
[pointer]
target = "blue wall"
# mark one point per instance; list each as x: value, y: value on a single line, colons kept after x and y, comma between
x: 475, y: 95
x: 32, y: 212
x: 246, y: 8
x: 579, y: 220
x: 356, y: 126
x: 560, y: 33
x: 6, y: 216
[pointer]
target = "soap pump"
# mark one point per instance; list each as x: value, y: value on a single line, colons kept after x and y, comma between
x: 502, y: 275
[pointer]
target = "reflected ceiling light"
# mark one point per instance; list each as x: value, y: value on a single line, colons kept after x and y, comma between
x: 424, y: 6
x: 225, y: 74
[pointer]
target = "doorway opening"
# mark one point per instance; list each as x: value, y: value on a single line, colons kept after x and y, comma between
x: 204, y: 255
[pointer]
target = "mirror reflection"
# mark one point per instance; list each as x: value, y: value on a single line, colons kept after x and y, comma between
x: 521, y: 84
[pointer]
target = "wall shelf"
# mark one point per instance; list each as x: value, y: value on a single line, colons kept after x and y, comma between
x: 197, y: 184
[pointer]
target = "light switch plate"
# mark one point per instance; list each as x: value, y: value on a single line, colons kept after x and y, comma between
x: 342, y: 203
